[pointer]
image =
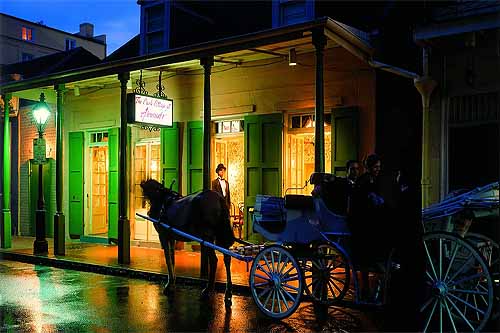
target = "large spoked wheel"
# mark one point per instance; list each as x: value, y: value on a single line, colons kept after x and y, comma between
x: 276, y: 282
x: 489, y: 249
x: 326, y: 274
x: 491, y: 253
x: 460, y: 288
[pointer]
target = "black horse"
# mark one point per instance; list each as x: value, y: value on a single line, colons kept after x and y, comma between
x: 204, y: 215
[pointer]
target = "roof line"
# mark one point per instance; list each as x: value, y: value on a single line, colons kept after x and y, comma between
x: 197, y: 51
x: 75, y: 34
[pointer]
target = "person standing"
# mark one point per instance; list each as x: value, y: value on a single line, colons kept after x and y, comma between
x: 353, y: 170
x: 221, y: 185
x: 366, y: 218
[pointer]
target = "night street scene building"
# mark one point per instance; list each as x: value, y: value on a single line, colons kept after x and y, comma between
x: 273, y: 90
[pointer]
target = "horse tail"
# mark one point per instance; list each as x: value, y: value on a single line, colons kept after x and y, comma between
x: 225, y: 236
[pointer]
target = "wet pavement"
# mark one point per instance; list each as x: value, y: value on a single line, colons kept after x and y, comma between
x: 44, y: 299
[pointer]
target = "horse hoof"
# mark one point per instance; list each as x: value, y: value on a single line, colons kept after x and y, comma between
x: 205, y: 294
x: 168, y: 290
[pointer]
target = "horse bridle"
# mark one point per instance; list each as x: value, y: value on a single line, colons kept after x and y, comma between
x: 171, y: 197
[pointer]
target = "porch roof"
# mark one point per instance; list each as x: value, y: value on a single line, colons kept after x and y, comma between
x: 236, y: 50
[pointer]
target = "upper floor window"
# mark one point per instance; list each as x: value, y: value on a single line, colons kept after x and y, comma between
x: 70, y: 44
x: 155, y: 18
x: 287, y: 12
x: 27, y: 57
x: 155, y: 26
x: 27, y: 34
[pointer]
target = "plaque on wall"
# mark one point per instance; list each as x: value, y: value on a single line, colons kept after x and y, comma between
x: 39, y: 151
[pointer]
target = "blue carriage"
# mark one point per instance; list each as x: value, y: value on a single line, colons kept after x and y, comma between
x: 312, y: 241
x: 462, y: 267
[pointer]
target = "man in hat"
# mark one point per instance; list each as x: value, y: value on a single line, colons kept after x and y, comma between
x: 221, y: 185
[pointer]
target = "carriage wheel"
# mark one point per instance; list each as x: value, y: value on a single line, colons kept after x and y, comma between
x: 460, y: 293
x: 326, y: 275
x: 276, y: 282
x: 489, y: 249
x: 491, y: 253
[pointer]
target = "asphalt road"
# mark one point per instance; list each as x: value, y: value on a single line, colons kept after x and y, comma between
x: 45, y: 299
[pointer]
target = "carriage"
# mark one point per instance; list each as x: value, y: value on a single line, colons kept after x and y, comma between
x: 308, y: 256
x: 463, y: 267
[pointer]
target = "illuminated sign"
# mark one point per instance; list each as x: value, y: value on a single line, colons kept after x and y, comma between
x: 148, y: 110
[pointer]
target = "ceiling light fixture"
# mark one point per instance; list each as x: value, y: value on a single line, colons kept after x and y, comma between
x: 292, y: 57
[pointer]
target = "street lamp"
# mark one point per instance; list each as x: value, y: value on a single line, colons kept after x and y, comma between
x: 41, y: 113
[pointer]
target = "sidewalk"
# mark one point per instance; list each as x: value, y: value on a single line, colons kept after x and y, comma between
x: 145, y: 263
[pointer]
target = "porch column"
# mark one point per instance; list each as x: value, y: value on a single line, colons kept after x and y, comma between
x: 207, y: 64
x: 59, y: 223
x: 319, y: 41
x: 425, y: 86
x: 123, y: 222
x: 5, y: 226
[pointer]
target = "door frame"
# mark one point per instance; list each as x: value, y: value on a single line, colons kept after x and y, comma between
x: 87, y: 187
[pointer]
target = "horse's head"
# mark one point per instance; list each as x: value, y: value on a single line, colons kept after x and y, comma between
x: 157, y: 195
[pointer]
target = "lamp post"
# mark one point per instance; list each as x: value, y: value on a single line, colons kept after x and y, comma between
x: 41, y: 113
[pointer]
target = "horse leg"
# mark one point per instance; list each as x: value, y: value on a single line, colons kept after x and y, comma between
x: 168, y: 288
x: 204, y: 263
x: 172, y: 262
x: 229, y: 284
x: 212, y: 268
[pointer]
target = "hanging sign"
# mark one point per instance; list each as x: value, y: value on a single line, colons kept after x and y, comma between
x: 148, y: 110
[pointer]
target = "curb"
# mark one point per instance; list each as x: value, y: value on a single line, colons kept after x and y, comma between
x: 116, y: 271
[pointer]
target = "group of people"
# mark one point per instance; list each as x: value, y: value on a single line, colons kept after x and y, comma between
x: 368, y: 217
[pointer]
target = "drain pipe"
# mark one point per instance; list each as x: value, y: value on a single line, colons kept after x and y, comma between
x: 425, y: 86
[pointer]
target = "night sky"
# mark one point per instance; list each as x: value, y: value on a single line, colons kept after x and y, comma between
x: 118, y: 19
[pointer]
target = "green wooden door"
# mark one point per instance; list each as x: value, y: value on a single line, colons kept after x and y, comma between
x: 113, y: 187
x: 263, y: 160
x: 194, y: 156
x: 170, y: 156
x: 76, y: 146
x: 345, y: 138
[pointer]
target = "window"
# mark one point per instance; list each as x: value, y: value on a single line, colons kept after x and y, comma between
x: 154, y: 28
x: 308, y: 120
x: 27, y: 57
x: 70, y: 44
x: 229, y: 126
x: 99, y: 137
x: 287, y: 12
x: 27, y: 34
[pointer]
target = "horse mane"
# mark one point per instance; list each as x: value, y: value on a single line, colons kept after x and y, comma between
x: 157, y: 195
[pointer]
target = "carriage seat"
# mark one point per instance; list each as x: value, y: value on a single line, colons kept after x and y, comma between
x: 321, y: 177
x: 299, y: 201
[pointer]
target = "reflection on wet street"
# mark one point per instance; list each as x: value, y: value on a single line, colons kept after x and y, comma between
x: 39, y: 299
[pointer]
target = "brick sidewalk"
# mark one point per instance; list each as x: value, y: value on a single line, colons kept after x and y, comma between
x: 145, y: 262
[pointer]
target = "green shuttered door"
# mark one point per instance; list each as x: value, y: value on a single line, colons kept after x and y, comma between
x: 345, y: 137
x: 170, y: 156
x: 76, y: 184
x: 263, y: 158
x: 113, y: 188
x: 195, y: 156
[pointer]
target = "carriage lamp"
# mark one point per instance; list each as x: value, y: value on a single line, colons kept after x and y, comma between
x: 40, y: 113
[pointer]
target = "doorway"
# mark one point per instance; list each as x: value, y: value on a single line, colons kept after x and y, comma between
x: 146, y: 166
x: 229, y: 150
x: 299, y: 150
x: 473, y: 155
x: 97, y: 189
